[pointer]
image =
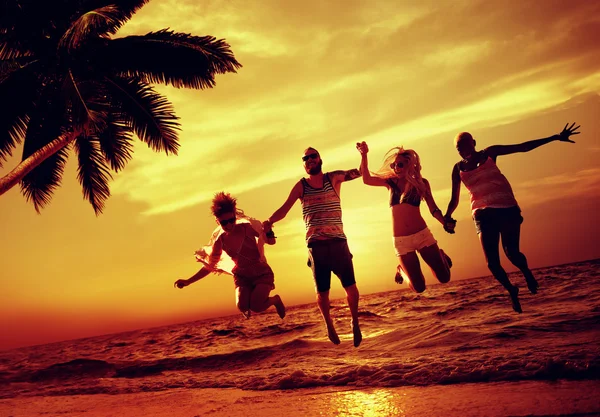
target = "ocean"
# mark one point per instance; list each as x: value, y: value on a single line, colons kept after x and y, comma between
x: 461, y: 332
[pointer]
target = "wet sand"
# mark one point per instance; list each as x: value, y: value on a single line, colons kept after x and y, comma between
x: 530, y: 398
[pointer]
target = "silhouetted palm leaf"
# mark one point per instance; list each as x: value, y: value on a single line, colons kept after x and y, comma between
x: 150, y: 115
x: 20, y: 87
x: 65, y: 76
x: 116, y: 142
x: 92, y: 173
x: 204, y: 56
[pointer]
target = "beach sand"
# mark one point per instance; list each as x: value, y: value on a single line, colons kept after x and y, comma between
x: 529, y: 398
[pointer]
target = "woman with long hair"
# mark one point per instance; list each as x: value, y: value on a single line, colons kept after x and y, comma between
x: 401, y: 175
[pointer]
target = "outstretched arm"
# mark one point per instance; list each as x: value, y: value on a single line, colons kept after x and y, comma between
x: 282, y: 211
x: 180, y: 283
x: 563, y: 136
x: 433, y: 208
x: 216, y: 252
x: 368, y: 179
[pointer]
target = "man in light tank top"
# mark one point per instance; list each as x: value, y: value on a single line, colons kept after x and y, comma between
x: 328, y: 250
x: 493, y: 204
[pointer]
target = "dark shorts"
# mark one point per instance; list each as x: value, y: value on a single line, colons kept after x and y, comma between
x: 497, y: 219
x: 253, y: 275
x: 327, y: 256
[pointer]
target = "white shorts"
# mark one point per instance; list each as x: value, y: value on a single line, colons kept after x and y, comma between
x: 415, y: 242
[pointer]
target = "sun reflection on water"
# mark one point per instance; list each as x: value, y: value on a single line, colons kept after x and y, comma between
x: 376, y: 403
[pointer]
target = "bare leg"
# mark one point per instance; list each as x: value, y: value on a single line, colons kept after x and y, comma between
x: 412, y: 268
x: 323, y: 303
x: 242, y: 300
x: 435, y: 258
x: 352, y: 297
x: 260, y: 300
x: 510, y: 243
x: 490, y: 241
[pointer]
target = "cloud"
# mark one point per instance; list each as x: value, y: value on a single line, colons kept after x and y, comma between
x: 331, y: 74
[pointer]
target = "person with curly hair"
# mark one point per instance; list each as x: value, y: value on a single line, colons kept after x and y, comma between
x: 401, y: 175
x: 495, y: 210
x: 236, y: 248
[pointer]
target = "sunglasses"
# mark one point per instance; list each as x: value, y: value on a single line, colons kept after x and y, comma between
x: 397, y: 165
x: 310, y: 156
x: 227, y: 221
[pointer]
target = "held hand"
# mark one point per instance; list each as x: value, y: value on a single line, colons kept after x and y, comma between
x: 180, y: 283
x: 362, y: 147
x: 567, y: 132
x: 267, y: 226
x: 449, y: 224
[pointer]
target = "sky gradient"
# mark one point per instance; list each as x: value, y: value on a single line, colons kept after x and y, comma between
x: 325, y: 75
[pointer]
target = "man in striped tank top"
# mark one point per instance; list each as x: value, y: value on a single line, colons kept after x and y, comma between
x: 493, y: 204
x: 328, y: 250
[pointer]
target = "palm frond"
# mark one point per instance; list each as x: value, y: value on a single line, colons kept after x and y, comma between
x: 150, y: 115
x: 91, y: 24
x: 87, y: 102
x: 124, y: 10
x: 46, y: 124
x: 39, y: 184
x: 165, y: 57
x: 19, y: 88
x: 93, y: 174
x: 116, y: 142
x: 37, y: 26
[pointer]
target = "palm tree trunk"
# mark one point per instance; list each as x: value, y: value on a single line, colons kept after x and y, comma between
x: 26, y: 166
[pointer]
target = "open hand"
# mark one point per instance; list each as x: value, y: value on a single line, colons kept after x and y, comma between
x: 567, y: 132
x: 180, y: 283
x: 362, y: 147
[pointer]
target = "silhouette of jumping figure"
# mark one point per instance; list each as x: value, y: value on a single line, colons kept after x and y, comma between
x: 401, y: 175
x: 236, y: 248
x: 327, y: 245
x: 493, y: 205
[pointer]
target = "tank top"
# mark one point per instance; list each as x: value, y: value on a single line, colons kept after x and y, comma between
x: 322, y: 212
x: 488, y: 187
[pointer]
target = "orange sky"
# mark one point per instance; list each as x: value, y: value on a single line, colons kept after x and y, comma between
x: 321, y: 74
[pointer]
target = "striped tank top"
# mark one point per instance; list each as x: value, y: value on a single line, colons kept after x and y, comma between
x: 322, y: 212
x: 488, y: 187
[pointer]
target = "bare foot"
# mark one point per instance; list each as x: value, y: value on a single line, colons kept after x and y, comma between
x: 532, y: 284
x: 357, y: 334
x: 279, y: 306
x: 514, y: 298
x: 333, y: 336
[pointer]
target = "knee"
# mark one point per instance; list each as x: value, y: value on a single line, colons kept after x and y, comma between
x: 494, y: 266
x: 514, y: 255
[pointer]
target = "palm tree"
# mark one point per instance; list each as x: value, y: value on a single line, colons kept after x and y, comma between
x: 65, y: 82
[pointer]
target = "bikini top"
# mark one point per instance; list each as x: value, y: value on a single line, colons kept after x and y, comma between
x: 413, y: 198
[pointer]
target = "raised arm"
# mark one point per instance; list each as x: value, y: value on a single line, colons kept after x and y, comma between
x: 433, y: 208
x: 563, y: 136
x: 368, y: 179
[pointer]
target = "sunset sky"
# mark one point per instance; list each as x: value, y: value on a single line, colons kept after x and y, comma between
x: 326, y: 75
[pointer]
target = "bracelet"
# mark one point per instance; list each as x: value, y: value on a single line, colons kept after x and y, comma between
x: 435, y: 211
